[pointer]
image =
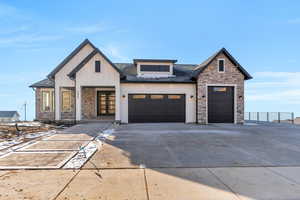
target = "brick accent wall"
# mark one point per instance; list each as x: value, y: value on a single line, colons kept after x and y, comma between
x: 39, y: 114
x: 71, y: 114
x: 88, y: 107
x: 211, y: 76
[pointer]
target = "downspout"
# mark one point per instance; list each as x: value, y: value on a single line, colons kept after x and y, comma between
x: 197, y: 102
x: 75, y: 112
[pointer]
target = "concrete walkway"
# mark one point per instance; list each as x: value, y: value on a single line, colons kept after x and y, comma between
x: 153, y: 184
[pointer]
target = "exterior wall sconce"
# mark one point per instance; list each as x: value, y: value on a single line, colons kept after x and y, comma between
x: 123, y: 96
x: 203, y: 96
x: 240, y: 97
x: 191, y: 96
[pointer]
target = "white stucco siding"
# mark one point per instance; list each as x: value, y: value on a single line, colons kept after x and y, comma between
x: 148, y: 88
x: 88, y: 77
x: 62, y: 79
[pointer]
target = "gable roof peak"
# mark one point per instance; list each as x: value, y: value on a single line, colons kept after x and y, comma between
x: 200, y: 68
x: 69, y: 57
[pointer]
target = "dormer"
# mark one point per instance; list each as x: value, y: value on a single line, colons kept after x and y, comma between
x: 154, y: 68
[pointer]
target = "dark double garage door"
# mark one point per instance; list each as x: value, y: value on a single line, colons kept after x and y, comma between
x: 156, y: 108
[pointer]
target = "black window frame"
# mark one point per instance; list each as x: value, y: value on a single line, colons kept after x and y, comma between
x: 155, y: 68
x: 97, y: 66
x: 221, y: 66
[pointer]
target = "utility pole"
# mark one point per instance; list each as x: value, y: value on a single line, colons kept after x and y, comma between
x: 25, y: 104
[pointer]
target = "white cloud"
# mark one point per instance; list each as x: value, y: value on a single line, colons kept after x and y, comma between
x: 89, y: 29
x: 27, y: 39
x: 18, y: 29
x: 114, y: 52
x: 274, y: 86
x: 288, y: 96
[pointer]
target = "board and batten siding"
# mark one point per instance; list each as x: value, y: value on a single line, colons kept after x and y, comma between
x: 160, y: 88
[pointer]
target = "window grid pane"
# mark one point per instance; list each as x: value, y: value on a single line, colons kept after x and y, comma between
x: 66, y: 101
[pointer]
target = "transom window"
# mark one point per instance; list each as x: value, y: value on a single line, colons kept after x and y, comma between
x: 221, y: 65
x: 157, y: 96
x: 220, y: 89
x: 174, y: 97
x: 139, y: 96
x: 154, y: 68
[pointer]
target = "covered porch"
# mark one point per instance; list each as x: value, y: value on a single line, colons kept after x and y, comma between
x: 98, y: 103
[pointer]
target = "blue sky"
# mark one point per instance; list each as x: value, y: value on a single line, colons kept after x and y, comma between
x: 262, y: 35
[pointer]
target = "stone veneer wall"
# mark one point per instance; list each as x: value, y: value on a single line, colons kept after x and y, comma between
x: 88, y: 107
x: 39, y: 114
x: 211, y: 76
x: 68, y: 115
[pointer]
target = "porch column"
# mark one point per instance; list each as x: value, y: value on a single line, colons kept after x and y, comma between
x: 118, y: 102
x: 57, y: 102
x: 78, y: 102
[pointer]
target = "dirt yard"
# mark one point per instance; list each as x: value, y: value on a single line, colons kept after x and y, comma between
x: 11, y: 130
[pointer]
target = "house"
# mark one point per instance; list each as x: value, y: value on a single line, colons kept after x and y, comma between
x: 297, y: 120
x: 9, y: 116
x: 87, y: 85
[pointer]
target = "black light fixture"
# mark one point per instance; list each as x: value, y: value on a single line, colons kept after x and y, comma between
x: 203, y: 96
x: 123, y: 96
x: 192, y: 96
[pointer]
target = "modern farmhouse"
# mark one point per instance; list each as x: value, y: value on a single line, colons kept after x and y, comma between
x: 87, y: 85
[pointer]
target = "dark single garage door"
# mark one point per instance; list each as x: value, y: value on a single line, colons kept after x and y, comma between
x: 144, y: 108
x: 220, y: 104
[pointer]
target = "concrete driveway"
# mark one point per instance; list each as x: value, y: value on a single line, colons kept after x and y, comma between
x: 174, y: 161
x: 184, y: 145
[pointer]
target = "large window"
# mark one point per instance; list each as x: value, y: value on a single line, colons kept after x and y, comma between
x: 154, y: 68
x: 47, y: 101
x: 66, y: 101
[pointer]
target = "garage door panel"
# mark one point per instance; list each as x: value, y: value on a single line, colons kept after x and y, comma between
x: 156, y: 108
x: 220, y: 104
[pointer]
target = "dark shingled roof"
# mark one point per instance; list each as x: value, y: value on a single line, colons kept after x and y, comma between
x: 46, y: 83
x: 8, y: 114
x: 154, y: 60
x: 182, y: 74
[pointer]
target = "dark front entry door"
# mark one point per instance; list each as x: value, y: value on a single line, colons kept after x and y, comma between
x: 220, y: 104
x: 156, y: 108
x: 105, y: 103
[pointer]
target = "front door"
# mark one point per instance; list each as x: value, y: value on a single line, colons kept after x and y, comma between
x: 105, y: 103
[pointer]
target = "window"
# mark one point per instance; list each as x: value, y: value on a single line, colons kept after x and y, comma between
x: 47, y: 101
x: 97, y: 66
x: 220, y: 89
x: 66, y: 101
x: 157, y: 96
x: 139, y: 96
x: 174, y: 97
x: 154, y: 68
x: 221, y: 65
